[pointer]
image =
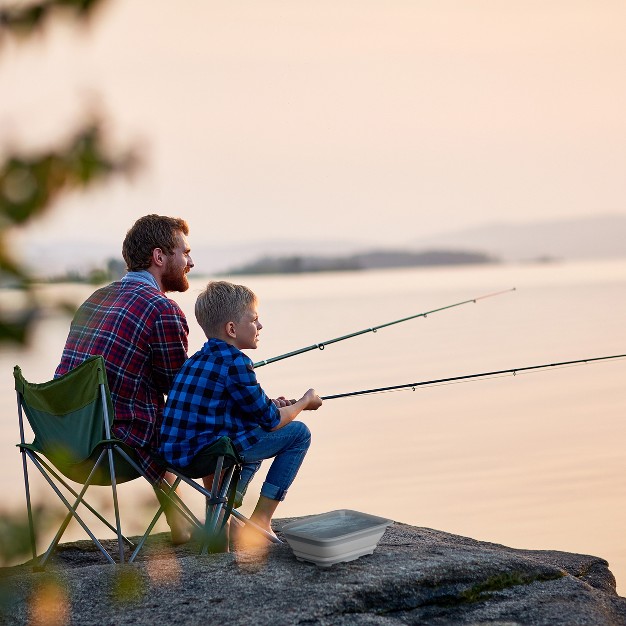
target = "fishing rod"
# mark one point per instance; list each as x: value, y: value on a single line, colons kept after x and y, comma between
x: 373, y: 329
x: 513, y: 371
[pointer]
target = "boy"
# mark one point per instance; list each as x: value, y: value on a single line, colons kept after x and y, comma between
x: 216, y: 393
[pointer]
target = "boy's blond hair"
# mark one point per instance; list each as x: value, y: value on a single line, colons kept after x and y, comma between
x: 222, y: 302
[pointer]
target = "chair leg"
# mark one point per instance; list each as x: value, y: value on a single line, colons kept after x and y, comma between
x: 216, y: 510
x: 170, y: 495
x: 31, y: 525
x: 173, y: 498
x: 79, y: 500
x: 120, y: 543
x: 72, y: 510
x: 84, y: 502
x: 155, y: 519
x: 244, y: 520
x: 211, y: 518
x: 215, y: 493
x: 236, y: 513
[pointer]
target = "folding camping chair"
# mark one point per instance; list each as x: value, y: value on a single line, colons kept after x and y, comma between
x: 71, y: 417
x: 225, y: 467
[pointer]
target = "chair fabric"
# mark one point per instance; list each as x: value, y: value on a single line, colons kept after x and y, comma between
x: 71, y: 418
x: 67, y: 417
x: 205, y: 461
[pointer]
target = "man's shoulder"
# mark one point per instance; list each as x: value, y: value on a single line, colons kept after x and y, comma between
x: 132, y: 306
x: 142, y: 294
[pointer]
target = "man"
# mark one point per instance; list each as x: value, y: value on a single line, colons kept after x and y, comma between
x: 142, y: 335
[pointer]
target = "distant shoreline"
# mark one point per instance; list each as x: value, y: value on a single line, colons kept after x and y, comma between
x: 377, y: 259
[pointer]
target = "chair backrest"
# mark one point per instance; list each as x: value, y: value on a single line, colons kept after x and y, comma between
x: 66, y: 414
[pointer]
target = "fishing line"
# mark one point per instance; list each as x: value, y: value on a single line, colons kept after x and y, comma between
x: 473, y: 377
x: 475, y: 380
x: 322, y: 344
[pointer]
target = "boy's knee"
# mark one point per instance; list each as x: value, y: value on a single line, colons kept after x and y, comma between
x: 303, y: 433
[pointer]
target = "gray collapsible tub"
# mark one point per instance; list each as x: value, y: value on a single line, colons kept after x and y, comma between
x: 334, y: 537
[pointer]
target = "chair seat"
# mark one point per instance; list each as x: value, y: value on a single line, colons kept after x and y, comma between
x: 205, y: 461
x: 78, y: 471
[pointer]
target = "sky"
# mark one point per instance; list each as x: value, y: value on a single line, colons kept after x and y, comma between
x: 373, y: 121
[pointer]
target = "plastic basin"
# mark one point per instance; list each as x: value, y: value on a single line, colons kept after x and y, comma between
x: 335, y: 537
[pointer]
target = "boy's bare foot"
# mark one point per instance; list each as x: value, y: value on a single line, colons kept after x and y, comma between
x: 247, y: 537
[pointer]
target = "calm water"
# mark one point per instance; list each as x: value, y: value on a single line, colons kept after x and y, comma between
x: 531, y: 461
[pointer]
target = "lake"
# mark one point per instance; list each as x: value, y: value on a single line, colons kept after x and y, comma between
x: 530, y: 461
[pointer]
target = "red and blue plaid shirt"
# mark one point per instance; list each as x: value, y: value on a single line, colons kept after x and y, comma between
x: 142, y: 335
x: 214, y: 394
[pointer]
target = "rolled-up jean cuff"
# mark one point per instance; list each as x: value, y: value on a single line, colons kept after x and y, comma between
x: 273, y: 492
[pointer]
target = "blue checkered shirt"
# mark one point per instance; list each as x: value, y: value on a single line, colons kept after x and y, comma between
x: 215, y: 393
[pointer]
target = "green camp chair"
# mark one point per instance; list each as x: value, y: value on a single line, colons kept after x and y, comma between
x: 71, y: 418
x: 225, y: 466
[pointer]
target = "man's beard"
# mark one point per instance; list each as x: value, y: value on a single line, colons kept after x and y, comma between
x: 175, y: 279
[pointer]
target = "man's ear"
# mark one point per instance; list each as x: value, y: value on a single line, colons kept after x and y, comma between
x: 231, y: 330
x: 158, y: 257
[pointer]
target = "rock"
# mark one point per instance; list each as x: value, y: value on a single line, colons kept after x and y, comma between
x: 415, y: 576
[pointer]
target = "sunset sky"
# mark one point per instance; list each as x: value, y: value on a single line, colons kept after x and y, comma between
x: 361, y: 120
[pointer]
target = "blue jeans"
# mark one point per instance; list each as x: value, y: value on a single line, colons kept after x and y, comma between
x: 288, y: 446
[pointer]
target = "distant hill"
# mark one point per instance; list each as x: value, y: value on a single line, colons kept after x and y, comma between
x: 598, y: 237
x: 594, y: 237
x: 367, y: 260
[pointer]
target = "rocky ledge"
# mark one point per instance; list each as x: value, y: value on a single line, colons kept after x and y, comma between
x: 415, y: 576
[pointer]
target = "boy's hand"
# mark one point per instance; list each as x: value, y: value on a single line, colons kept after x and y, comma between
x: 281, y: 401
x: 313, y: 401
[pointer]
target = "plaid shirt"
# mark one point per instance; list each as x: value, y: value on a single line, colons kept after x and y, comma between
x: 216, y: 393
x: 142, y: 336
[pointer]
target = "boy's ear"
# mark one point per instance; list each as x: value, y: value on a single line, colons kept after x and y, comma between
x: 231, y: 330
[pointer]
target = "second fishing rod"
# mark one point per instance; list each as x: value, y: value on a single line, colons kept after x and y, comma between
x: 372, y: 329
x: 468, y: 377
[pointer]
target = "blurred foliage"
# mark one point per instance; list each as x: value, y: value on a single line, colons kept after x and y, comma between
x: 30, y: 184
x: 15, y: 545
x: 26, y: 19
x: 114, y: 269
x: 128, y: 584
x: 15, y: 534
x: 49, y: 602
x: 14, y: 537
